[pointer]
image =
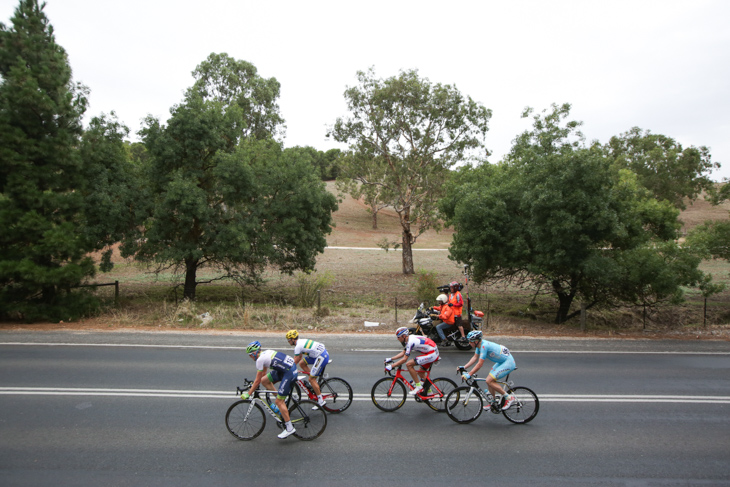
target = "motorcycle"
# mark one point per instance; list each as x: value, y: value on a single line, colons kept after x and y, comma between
x: 426, y: 327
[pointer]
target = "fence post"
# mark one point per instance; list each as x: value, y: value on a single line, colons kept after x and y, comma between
x: 116, y: 292
x: 396, y: 310
x: 319, y: 299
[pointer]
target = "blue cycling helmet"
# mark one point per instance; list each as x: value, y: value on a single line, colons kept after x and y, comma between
x: 474, y: 336
x: 253, y: 347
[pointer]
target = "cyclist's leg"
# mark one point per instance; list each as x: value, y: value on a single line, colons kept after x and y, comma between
x: 499, y: 371
x: 425, y: 361
x: 287, y: 381
x: 318, y: 367
x: 411, y: 364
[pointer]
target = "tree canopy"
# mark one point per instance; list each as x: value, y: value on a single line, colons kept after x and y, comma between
x: 662, y: 165
x: 225, y: 194
x: 404, y: 134
x: 562, y: 215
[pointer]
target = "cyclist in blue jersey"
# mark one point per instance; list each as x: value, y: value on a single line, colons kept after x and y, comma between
x: 314, y: 354
x: 282, y: 370
x: 504, y: 363
x: 429, y: 354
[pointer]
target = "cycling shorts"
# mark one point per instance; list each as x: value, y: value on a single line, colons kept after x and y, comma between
x: 318, y: 364
x: 285, y: 379
x: 501, y: 369
x: 427, y: 358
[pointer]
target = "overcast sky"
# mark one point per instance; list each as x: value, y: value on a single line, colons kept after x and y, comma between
x: 660, y: 65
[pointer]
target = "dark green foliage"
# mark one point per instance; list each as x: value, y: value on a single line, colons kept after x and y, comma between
x: 42, y: 252
x: 562, y: 215
x: 225, y: 194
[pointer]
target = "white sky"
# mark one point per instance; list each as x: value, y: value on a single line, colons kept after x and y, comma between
x: 660, y: 65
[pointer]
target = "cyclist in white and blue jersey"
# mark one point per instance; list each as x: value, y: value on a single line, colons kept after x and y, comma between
x: 504, y: 363
x: 314, y: 354
x: 282, y: 369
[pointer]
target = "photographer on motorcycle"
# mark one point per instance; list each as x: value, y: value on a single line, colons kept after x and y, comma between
x: 456, y: 301
x: 445, y: 314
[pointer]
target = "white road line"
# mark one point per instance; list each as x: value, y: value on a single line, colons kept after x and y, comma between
x: 617, y: 398
x: 360, y: 350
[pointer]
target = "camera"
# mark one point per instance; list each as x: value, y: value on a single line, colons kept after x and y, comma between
x: 445, y: 288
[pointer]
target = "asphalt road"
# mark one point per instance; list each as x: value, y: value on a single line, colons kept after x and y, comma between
x: 148, y: 408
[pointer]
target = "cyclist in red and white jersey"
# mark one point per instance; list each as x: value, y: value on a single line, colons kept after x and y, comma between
x: 429, y: 354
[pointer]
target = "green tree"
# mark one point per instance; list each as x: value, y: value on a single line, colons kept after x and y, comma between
x: 417, y: 131
x: 354, y: 169
x: 668, y: 170
x: 562, y: 216
x: 114, y: 201
x: 42, y: 252
x: 225, y: 194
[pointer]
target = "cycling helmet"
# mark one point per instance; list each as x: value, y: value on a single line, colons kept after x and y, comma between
x: 292, y: 335
x: 402, y: 332
x: 474, y: 336
x: 442, y: 298
x: 253, y: 347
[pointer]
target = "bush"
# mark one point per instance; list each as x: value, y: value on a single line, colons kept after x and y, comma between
x: 425, y: 286
x: 309, y: 284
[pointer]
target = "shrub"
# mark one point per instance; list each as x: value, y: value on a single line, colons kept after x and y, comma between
x: 425, y: 285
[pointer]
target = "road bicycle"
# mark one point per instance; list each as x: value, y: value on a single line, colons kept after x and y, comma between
x: 464, y: 404
x: 246, y: 419
x: 389, y: 393
x: 336, y: 392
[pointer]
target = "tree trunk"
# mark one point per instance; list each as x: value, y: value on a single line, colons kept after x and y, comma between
x: 407, y: 236
x: 191, y: 266
x: 374, y: 211
x: 565, y: 300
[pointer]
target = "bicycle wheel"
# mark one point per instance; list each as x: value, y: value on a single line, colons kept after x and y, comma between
x: 245, y: 420
x: 464, y: 405
x: 525, y: 408
x: 337, y: 393
x: 440, y: 384
x: 388, y: 394
x: 309, y: 420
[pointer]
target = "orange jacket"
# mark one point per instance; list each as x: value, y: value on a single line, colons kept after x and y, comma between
x: 446, y: 314
x: 456, y: 302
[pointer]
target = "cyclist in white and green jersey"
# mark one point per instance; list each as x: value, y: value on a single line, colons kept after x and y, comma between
x: 314, y: 354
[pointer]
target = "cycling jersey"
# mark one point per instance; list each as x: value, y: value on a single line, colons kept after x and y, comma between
x: 274, y: 360
x: 492, y: 351
x: 420, y: 344
x: 504, y: 362
x: 310, y: 348
x: 281, y: 369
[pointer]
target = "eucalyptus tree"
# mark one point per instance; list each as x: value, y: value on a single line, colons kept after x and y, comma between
x: 561, y: 215
x: 224, y: 193
x: 416, y: 132
x: 670, y: 171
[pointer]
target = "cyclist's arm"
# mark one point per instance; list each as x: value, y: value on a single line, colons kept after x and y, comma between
x: 477, y: 366
x: 259, y: 377
x: 297, y: 359
x: 471, y: 361
x: 399, y: 362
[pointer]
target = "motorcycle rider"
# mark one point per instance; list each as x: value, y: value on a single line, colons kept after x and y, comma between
x: 456, y: 301
x: 429, y: 354
x: 445, y: 314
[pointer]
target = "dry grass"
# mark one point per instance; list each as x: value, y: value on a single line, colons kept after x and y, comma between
x: 366, y: 284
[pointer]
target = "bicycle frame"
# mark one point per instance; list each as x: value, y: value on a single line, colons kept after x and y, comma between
x: 257, y: 399
x: 496, y: 408
x: 420, y: 396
